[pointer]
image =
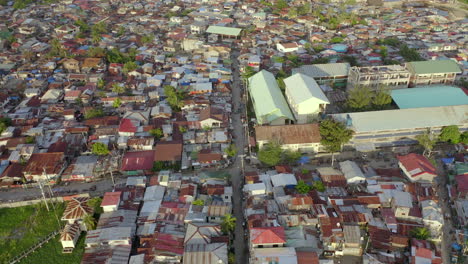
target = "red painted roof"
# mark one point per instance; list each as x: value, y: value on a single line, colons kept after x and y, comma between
x: 111, y: 198
x: 267, y: 235
x: 138, y: 160
x: 417, y: 164
x: 127, y: 125
x: 462, y: 183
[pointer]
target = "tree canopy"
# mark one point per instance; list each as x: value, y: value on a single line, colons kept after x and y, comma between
x: 270, y: 153
x: 157, y: 133
x: 229, y: 224
x: 359, y: 98
x: 302, y: 187
x: 117, y: 103
x: 118, y: 88
x: 450, y: 134
x: 231, y: 150
x: 94, y: 112
x: 420, y: 233
x: 334, y: 135
x: 427, y: 141
x: 100, y: 149
x: 382, y: 98
x: 4, y: 123
x: 174, y: 97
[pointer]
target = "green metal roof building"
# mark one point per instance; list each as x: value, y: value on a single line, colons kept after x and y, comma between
x: 432, y: 72
x: 429, y: 96
x: 269, y: 103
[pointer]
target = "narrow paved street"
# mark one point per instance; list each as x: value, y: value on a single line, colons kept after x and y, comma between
x: 444, y: 204
x: 237, y: 168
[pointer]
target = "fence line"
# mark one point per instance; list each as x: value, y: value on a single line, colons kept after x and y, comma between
x: 34, y: 247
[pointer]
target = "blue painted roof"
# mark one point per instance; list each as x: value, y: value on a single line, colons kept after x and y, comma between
x: 429, y: 96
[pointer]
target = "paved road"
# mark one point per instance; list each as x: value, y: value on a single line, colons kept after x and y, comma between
x: 444, y: 201
x: 21, y: 194
x: 237, y: 168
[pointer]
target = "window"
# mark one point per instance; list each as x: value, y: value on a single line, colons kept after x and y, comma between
x: 275, y: 246
x: 212, y: 218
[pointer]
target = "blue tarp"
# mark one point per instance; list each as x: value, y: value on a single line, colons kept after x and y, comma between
x: 456, y: 246
x: 448, y: 160
x: 304, y: 160
x: 225, y: 81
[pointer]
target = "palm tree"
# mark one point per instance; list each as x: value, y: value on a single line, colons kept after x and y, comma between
x: 89, y: 222
x: 229, y: 224
x: 248, y: 72
x: 420, y: 233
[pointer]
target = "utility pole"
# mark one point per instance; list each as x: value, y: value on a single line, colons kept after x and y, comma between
x: 43, y: 195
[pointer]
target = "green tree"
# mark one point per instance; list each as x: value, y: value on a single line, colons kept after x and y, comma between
x: 231, y: 258
x: 304, y: 9
x: 334, y: 135
x: 117, y: 103
x: 174, y: 97
x: 199, y: 202
x: 95, y: 37
x: 79, y: 101
x: 90, y: 222
x: 410, y: 54
x: 95, y: 112
x: 382, y: 98
x: 206, y: 128
x: 383, y: 52
x: 100, y: 149
x: 157, y: 133
x: 292, y: 13
x: 281, y: 4
x: 420, y: 233
x: 302, y: 187
x: 158, y: 166
x: 247, y: 73
x: 281, y: 84
x: 96, y: 52
x: 5, y: 122
x: 120, y: 31
x: 182, y: 129
x: 129, y: 66
x: 101, y: 84
x: 270, y: 153
x: 231, y: 150
x: 30, y: 140
x: 319, y: 186
x: 84, y: 27
x: 359, y: 98
x: 229, y: 224
x: 56, y: 48
x: 336, y: 40
x: 99, y: 28
x: 147, y: 39
x: 96, y: 204
x: 291, y: 157
x: 318, y: 48
x: 450, y: 134
x: 118, y: 88
x: 427, y: 141
x: 464, y: 137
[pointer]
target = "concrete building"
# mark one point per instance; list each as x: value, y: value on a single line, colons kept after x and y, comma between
x: 392, y: 76
x: 305, y: 97
x: 375, y: 129
x: 432, y: 72
x: 332, y: 74
x: 268, y: 102
x: 303, y: 138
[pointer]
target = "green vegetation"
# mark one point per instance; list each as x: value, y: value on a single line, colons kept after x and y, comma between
x: 84, y: 27
x: 118, y: 88
x: 229, y: 224
x: 30, y: 140
x: 322, y: 60
x: 231, y: 151
x: 95, y: 112
x: 334, y: 135
x: 56, y: 49
x: 174, y: 97
x: 147, y: 39
x: 291, y: 157
x: 336, y: 40
x: 90, y: 222
x: 450, y: 134
x: 270, y: 153
x: 351, y: 60
x: 161, y: 165
x: 117, y: 103
x: 116, y: 56
x: 464, y: 137
x: 52, y: 252
x: 157, y: 133
x: 96, y: 204
x: 420, y: 233
x: 129, y: 66
x: 302, y: 187
x: 247, y: 73
x: 427, y: 141
x: 100, y: 149
x: 394, y: 42
x: 182, y: 129
x: 199, y: 202
x: 4, y: 123
x: 362, y: 98
x: 319, y: 186
x: 409, y: 54
x: 359, y: 98
x: 96, y: 52
x: 22, y: 227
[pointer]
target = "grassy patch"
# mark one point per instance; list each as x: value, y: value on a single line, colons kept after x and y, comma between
x: 52, y: 253
x: 22, y: 227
